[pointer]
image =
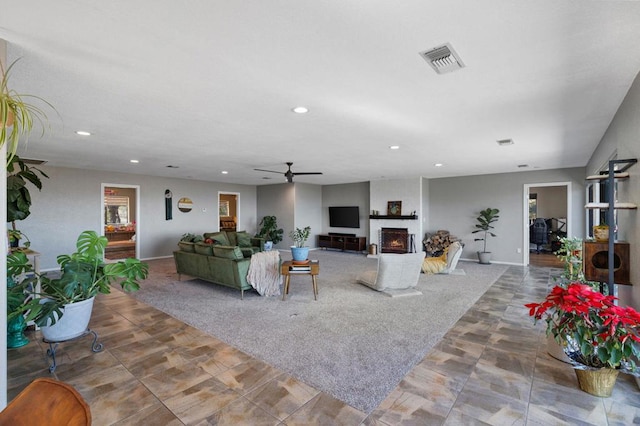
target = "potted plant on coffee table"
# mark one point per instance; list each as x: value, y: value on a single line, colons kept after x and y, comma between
x: 299, y: 252
x: 601, y: 338
x: 83, y: 274
x: 485, y: 219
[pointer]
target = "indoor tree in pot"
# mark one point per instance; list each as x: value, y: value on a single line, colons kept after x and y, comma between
x: 83, y: 275
x: 599, y: 337
x: 299, y: 252
x: 270, y: 232
x: 485, y: 219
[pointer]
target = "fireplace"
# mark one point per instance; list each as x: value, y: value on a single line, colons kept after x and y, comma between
x: 394, y: 240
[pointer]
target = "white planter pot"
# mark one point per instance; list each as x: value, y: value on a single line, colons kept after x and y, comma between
x: 484, y: 257
x: 556, y: 350
x: 74, y: 322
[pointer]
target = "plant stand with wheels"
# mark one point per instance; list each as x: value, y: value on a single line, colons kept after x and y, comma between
x: 53, y: 345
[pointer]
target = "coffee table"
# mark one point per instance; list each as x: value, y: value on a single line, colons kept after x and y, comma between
x: 288, y: 268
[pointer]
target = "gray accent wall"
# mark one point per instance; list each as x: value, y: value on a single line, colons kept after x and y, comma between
x: 295, y: 206
x: 70, y: 202
x: 350, y: 194
x: 454, y: 204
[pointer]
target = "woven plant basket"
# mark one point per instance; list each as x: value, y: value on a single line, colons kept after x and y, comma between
x: 597, y: 382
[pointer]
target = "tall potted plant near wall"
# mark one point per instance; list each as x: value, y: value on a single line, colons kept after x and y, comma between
x: 270, y: 232
x: 299, y: 252
x: 485, y: 220
x: 83, y: 275
x: 19, y: 176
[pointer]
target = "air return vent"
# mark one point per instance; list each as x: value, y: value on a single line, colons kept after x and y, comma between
x: 443, y: 59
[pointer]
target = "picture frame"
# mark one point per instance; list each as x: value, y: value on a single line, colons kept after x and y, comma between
x: 224, y: 208
x: 394, y: 208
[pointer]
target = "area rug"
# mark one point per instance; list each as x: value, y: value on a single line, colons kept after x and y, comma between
x: 353, y: 343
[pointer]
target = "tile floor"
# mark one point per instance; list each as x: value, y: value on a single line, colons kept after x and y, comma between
x: 490, y: 368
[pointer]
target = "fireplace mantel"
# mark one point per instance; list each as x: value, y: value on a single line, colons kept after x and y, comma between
x: 409, y: 217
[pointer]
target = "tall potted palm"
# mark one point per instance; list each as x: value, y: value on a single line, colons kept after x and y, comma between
x: 485, y: 220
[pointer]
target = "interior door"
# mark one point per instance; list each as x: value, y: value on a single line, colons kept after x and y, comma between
x: 121, y: 220
x: 548, y: 204
x: 228, y: 212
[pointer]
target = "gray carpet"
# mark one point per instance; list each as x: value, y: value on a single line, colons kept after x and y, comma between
x: 353, y: 343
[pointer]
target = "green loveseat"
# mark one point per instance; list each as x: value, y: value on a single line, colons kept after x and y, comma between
x: 223, y: 264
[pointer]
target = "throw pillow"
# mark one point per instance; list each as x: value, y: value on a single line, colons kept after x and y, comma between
x: 218, y: 238
x: 204, y: 248
x: 228, y: 252
x: 244, y: 239
x: 434, y: 265
x: 186, y: 246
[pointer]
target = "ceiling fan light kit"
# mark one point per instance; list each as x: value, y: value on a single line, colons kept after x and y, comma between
x: 289, y: 174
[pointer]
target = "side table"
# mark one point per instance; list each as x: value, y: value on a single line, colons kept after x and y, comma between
x: 288, y: 268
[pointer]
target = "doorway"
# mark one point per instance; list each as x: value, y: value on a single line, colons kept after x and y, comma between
x: 546, y: 219
x: 228, y: 211
x: 120, y: 217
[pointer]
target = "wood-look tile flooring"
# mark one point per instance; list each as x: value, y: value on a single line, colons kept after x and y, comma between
x: 492, y: 367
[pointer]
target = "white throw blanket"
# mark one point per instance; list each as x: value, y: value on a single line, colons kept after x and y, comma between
x: 264, y: 273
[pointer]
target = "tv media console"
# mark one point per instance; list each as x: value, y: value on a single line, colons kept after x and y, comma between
x: 342, y: 242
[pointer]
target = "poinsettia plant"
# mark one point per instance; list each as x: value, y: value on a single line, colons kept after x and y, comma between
x: 598, y: 333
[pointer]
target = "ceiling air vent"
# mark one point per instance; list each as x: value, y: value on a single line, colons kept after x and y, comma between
x: 443, y: 59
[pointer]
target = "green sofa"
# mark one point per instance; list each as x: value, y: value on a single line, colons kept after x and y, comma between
x: 224, y: 264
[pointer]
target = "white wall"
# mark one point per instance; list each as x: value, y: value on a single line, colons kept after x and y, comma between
x: 70, y: 202
x: 455, y: 203
x: 623, y: 137
x: 409, y: 191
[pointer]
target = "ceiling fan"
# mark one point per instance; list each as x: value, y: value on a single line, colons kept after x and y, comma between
x: 289, y: 174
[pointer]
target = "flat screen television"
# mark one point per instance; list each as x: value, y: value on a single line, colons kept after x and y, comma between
x: 344, y: 217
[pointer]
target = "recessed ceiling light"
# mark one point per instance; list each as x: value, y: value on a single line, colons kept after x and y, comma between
x: 82, y: 133
x: 224, y: 172
x: 134, y: 161
x: 505, y: 142
x: 394, y: 147
x: 438, y: 165
x: 300, y: 110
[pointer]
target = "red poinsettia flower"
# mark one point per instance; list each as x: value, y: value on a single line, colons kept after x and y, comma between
x: 598, y: 332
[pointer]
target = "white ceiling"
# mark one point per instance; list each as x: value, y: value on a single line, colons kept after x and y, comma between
x: 209, y: 85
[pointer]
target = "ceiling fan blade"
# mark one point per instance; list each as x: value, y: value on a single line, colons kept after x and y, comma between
x: 270, y: 171
x: 306, y: 173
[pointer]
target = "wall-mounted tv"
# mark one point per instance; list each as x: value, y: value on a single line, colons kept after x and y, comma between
x: 344, y: 217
